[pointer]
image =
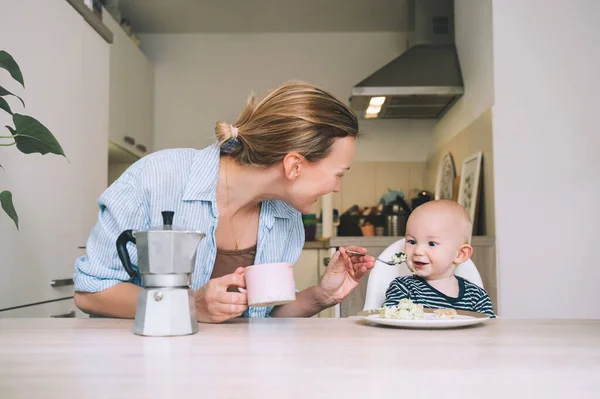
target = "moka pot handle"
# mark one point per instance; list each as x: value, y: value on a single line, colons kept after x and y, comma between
x: 124, y: 238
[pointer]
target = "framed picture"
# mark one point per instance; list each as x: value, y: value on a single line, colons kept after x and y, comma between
x: 444, y: 182
x: 468, y: 192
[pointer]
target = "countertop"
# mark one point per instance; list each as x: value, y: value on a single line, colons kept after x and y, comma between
x: 300, y: 358
x: 318, y: 244
x: 378, y: 242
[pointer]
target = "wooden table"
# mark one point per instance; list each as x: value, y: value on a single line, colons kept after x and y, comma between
x: 300, y: 358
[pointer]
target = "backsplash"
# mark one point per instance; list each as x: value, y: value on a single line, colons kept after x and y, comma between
x: 475, y: 137
x: 362, y: 185
x: 366, y: 182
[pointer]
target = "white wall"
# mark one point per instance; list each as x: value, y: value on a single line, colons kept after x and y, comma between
x: 202, y: 78
x: 473, y: 37
x: 546, y: 143
x: 394, y: 140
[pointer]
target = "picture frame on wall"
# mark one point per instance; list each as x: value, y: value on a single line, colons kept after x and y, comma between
x: 444, y: 183
x: 468, y: 192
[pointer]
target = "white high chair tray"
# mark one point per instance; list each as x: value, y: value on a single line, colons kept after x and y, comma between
x: 462, y: 319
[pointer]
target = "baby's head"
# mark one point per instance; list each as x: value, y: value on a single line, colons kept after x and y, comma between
x: 438, y: 234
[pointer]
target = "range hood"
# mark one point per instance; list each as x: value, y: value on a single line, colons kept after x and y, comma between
x: 425, y: 80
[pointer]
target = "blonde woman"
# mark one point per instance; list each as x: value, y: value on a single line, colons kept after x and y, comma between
x: 247, y: 193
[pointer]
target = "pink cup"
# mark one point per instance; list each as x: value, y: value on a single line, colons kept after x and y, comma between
x: 270, y: 284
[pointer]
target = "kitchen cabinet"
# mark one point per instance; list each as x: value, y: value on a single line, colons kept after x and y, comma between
x: 306, y: 271
x: 65, y: 67
x: 324, y: 256
x: 309, y: 270
x: 131, y: 112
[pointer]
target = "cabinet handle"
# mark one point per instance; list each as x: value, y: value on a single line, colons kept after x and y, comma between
x: 129, y: 140
x: 141, y: 147
x: 326, y: 261
x: 69, y: 315
x: 62, y: 282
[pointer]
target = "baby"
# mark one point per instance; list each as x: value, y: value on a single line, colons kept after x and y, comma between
x: 438, y: 234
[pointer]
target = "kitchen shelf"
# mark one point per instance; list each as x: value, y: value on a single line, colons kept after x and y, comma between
x: 92, y: 19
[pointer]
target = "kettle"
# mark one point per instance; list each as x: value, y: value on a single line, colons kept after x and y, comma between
x: 166, y: 260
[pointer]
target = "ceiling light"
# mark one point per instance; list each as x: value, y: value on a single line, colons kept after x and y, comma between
x: 377, y: 101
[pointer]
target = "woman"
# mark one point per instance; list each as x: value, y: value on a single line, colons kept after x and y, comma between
x: 246, y: 193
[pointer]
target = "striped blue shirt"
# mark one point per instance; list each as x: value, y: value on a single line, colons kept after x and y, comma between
x: 471, y: 297
x: 183, y: 181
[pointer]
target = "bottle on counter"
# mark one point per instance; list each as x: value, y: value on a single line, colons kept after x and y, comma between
x: 392, y: 221
x: 379, y: 221
x: 396, y: 216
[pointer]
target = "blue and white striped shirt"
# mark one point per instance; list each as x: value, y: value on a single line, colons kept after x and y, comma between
x: 183, y: 181
x: 471, y: 297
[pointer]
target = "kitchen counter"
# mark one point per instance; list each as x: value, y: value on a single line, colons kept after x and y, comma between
x: 376, y: 242
x: 318, y: 244
x: 387, y: 241
x: 299, y: 358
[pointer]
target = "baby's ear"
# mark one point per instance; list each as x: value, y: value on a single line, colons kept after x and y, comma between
x: 464, y: 253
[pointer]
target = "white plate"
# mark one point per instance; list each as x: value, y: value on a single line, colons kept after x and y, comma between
x: 430, y: 321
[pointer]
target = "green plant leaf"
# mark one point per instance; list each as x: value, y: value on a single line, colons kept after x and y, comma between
x: 8, y: 62
x: 9, y: 208
x: 4, y: 92
x: 4, y: 105
x: 31, y: 136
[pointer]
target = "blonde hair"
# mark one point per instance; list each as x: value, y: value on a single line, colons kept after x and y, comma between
x: 296, y: 117
x: 452, y: 208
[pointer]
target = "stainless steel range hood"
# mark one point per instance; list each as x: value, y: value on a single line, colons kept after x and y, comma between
x: 424, y: 81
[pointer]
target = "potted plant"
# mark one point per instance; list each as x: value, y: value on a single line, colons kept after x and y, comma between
x: 27, y: 134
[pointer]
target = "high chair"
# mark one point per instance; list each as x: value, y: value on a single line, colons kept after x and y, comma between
x: 382, y: 275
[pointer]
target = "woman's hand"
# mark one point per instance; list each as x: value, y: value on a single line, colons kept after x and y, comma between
x: 344, y: 273
x: 214, y: 304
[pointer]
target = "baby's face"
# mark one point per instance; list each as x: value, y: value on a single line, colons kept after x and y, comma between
x: 433, y: 241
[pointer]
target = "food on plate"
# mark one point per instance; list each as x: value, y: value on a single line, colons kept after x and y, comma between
x: 447, y: 313
x: 408, y: 310
x: 405, y: 310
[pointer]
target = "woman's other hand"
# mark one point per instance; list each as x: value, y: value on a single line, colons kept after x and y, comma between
x: 214, y: 304
x: 344, y: 272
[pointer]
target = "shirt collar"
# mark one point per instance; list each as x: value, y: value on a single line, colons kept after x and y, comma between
x: 277, y: 209
x: 202, y: 185
x: 204, y: 174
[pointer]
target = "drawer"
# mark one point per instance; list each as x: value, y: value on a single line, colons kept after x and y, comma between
x: 64, y: 308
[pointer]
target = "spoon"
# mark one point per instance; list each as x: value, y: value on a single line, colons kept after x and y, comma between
x: 380, y: 260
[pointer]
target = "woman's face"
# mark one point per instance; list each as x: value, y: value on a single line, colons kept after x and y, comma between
x: 315, y: 179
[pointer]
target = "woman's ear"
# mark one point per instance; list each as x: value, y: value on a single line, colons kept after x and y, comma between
x: 464, y: 253
x: 292, y: 163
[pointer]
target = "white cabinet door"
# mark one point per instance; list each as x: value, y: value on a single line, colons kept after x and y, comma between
x: 131, y: 93
x: 145, y: 123
x: 91, y: 180
x: 309, y: 270
x: 65, y: 72
x: 306, y: 272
